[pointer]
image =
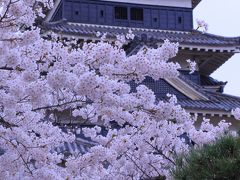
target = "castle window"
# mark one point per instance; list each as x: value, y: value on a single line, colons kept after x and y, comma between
x: 76, y: 12
x: 179, y: 20
x: 121, y: 12
x: 101, y: 13
x: 137, y: 14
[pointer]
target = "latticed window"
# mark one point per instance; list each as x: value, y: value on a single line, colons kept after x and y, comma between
x: 137, y: 14
x: 121, y: 12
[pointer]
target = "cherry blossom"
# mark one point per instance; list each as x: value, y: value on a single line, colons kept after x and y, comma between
x: 42, y: 79
x: 202, y: 24
x: 192, y: 66
x: 236, y: 113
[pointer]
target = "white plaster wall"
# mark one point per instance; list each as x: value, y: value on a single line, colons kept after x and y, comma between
x: 216, y: 119
x: 173, y: 3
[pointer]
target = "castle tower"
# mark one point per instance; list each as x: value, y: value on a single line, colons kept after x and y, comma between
x: 153, y: 21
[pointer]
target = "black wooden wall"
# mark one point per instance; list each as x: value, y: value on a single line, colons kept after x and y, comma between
x: 101, y: 12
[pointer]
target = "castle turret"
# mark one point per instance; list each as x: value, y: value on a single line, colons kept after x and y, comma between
x: 156, y: 14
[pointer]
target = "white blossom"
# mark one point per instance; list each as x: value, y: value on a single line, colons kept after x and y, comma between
x: 41, y: 79
x: 192, y: 66
x: 236, y: 113
x: 202, y: 24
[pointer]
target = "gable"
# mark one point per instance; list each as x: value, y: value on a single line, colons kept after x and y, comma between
x: 160, y: 88
x: 177, y: 86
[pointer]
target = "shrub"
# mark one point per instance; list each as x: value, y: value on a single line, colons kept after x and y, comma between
x: 220, y: 160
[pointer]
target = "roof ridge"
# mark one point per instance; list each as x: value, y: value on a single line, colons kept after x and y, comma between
x: 224, y: 95
x: 212, y: 79
x: 192, y: 84
x: 199, y: 88
x: 143, y: 30
x: 218, y: 36
x: 59, y: 22
x: 130, y: 28
x: 188, y: 87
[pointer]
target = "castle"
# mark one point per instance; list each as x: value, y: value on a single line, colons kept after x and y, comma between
x: 152, y: 22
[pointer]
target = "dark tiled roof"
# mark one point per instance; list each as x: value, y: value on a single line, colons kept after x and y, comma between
x: 81, y: 145
x: 73, y: 148
x: 195, y: 3
x: 218, y: 102
x: 159, y: 87
x: 194, y: 85
x: 152, y: 35
x: 209, y: 81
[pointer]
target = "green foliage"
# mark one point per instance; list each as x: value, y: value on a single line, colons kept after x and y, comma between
x: 220, y: 160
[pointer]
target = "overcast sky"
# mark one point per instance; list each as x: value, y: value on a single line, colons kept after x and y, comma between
x: 223, y: 18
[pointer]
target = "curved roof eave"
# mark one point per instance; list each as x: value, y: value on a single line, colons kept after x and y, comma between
x: 195, y: 3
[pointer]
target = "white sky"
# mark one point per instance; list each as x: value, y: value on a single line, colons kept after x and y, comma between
x: 223, y: 18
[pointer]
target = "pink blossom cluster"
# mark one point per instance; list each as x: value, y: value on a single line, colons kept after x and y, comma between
x: 202, y: 24
x: 192, y: 66
x: 40, y: 79
x: 236, y: 113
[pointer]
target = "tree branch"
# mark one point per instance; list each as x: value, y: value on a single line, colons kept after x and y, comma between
x: 160, y: 152
x: 57, y: 105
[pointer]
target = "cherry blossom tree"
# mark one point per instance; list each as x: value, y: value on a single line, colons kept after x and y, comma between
x: 40, y: 76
